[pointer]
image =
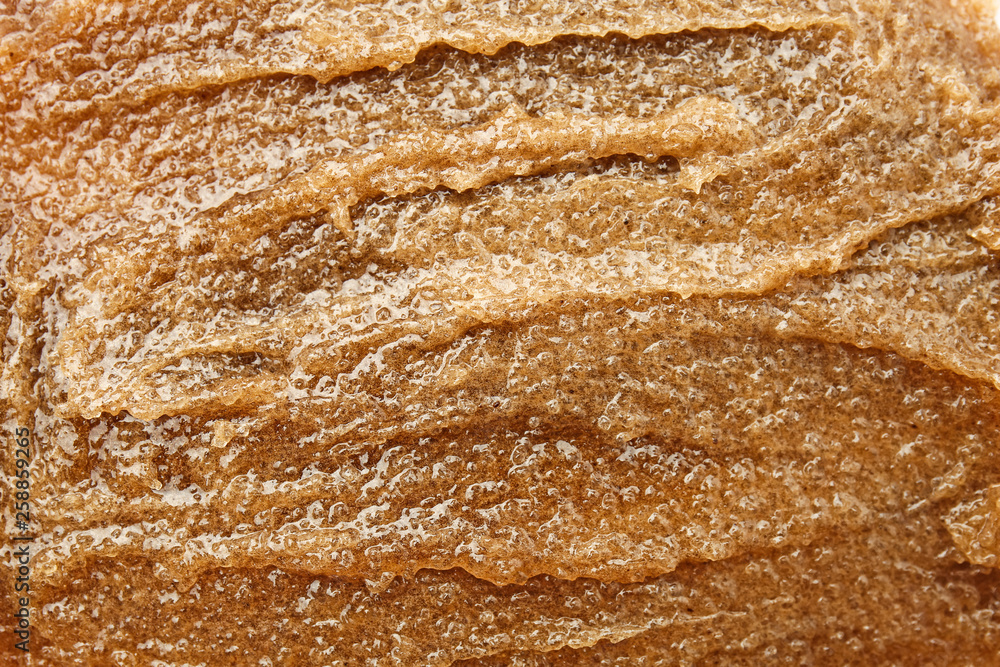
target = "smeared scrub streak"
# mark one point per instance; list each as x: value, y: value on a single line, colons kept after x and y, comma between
x: 504, y: 333
x: 716, y: 227
x: 872, y: 304
x: 201, y: 44
x: 547, y: 614
x: 367, y: 518
x: 511, y: 145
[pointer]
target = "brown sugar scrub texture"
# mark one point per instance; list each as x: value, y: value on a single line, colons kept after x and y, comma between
x: 508, y: 333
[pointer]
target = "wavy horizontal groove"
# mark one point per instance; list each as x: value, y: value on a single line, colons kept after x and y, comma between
x: 327, y: 40
x: 924, y: 292
x: 245, y: 137
x: 680, y: 643
x: 397, y: 540
x: 882, y: 301
x: 513, y: 144
x: 388, y: 516
x: 680, y: 613
x: 613, y: 612
x: 775, y: 249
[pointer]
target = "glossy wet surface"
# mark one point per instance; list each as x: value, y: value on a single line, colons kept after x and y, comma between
x: 422, y: 334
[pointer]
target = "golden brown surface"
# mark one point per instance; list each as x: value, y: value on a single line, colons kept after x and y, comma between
x: 504, y: 333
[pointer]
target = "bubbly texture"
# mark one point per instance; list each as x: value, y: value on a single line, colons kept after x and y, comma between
x: 511, y: 333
